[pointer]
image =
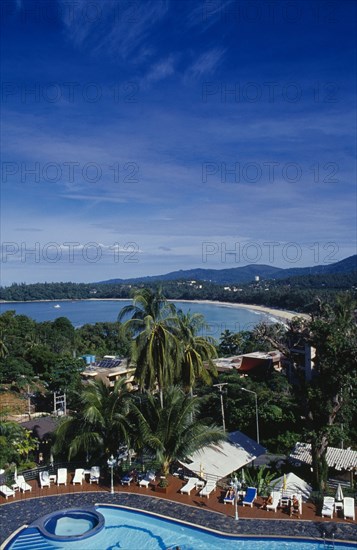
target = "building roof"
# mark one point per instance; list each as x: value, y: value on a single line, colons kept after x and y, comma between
x: 109, y: 367
x: 248, y: 361
x: 340, y: 459
x: 221, y: 459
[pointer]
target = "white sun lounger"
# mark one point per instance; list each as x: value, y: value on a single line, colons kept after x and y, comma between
x: 149, y: 477
x: 328, y: 506
x: 207, y: 489
x: 6, y: 491
x: 276, y: 499
x: 349, y: 508
x: 191, y: 484
x: 24, y: 486
x: 45, y: 479
x: 78, y: 476
x: 62, y: 476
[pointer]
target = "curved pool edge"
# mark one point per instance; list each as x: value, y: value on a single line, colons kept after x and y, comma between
x: 7, y: 541
x: 31, y: 509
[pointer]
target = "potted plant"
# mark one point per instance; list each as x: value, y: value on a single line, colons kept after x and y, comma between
x: 162, y: 486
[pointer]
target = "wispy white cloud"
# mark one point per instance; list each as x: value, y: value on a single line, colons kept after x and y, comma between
x: 160, y: 70
x: 28, y: 229
x: 205, y: 64
x: 208, y: 13
x: 114, y: 28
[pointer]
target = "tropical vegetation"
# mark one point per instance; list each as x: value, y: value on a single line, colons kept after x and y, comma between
x: 173, y: 362
x: 174, y: 431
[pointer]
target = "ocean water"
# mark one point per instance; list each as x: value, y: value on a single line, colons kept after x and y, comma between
x: 219, y: 317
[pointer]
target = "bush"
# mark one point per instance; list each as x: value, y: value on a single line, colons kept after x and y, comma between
x: 163, y: 482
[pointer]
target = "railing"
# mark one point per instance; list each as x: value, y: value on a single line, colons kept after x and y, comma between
x: 327, y: 544
x: 34, y: 472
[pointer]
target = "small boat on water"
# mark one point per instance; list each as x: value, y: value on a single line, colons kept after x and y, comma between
x: 56, y: 306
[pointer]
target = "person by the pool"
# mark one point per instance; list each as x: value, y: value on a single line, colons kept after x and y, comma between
x: 230, y: 493
x: 268, y: 500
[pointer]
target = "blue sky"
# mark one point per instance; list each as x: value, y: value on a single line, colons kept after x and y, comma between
x: 144, y: 137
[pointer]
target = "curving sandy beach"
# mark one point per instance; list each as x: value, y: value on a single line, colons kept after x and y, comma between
x: 278, y: 313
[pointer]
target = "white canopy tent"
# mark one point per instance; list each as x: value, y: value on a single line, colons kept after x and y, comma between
x: 217, y: 461
x: 293, y: 484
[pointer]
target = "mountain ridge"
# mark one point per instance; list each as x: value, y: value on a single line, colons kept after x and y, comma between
x: 245, y: 274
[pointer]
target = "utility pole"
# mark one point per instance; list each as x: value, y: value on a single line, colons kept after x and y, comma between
x: 220, y: 390
x: 256, y: 410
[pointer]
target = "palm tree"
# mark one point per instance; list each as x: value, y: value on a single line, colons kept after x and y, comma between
x: 147, y: 303
x: 196, y: 350
x: 156, y: 352
x: 173, y: 432
x: 101, y: 425
x: 156, y: 349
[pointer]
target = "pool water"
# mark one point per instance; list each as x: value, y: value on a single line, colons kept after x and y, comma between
x: 70, y: 526
x: 128, y: 530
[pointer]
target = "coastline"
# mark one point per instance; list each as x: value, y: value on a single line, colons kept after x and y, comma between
x: 280, y: 314
x: 283, y: 314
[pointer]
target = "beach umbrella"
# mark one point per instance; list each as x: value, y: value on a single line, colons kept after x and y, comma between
x: 339, y: 493
x: 51, y: 459
x: 15, y: 473
x: 202, y: 471
x: 292, y: 483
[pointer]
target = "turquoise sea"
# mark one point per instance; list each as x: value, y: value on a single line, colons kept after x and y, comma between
x: 219, y: 317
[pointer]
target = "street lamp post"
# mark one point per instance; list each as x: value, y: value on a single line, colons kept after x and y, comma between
x: 220, y: 389
x: 111, y: 462
x: 256, y: 410
x: 237, y: 486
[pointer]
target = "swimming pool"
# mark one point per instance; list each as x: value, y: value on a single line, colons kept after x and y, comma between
x: 128, y: 530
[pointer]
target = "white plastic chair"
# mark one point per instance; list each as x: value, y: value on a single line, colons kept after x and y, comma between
x: 349, y: 508
x: 191, y: 484
x: 328, y: 506
x: 45, y: 479
x: 276, y: 499
x: 62, y: 476
x: 21, y: 482
x: 6, y: 491
x: 207, y: 489
x: 78, y: 476
x: 149, y: 477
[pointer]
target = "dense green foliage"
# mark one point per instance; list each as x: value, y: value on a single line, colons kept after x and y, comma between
x: 50, y: 352
x: 16, y: 444
x: 278, y: 408
x: 100, y: 425
x: 172, y: 431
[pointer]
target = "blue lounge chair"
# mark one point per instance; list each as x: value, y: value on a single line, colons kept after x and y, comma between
x: 229, y: 498
x: 94, y: 475
x: 250, y: 496
x: 127, y: 479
